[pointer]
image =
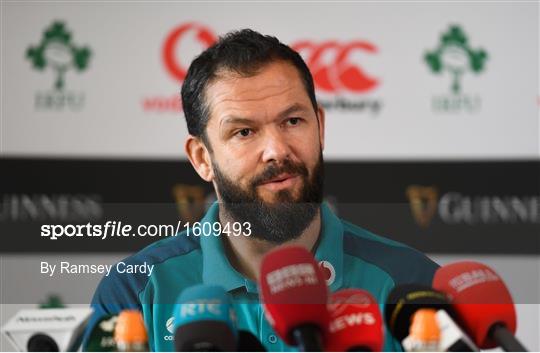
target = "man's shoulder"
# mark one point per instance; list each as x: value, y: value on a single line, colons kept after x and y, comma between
x: 165, y: 249
x: 402, y: 263
x: 123, y: 289
x: 128, y: 285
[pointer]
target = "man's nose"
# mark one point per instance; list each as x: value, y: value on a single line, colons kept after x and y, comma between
x: 275, y: 146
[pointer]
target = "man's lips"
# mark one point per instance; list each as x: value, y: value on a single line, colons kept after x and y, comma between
x: 282, y: 181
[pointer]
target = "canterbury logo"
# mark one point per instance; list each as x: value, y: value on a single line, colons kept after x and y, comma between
x: 338, y: 74
x: 331, y: 63
x: 423, y: 202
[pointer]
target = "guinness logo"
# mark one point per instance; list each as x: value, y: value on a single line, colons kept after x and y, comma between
x: 189, y: 201
x: 423, y: 201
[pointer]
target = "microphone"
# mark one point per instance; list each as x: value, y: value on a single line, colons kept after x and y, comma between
x: 405, y: 300
x: 247, y: 342
x: 424, y: 334
x: 355, y: 322
x: 101, y: 338
x: 204, y: 320
x: 130, y: 332
x: 482, y: 302
x: 294, y: 296
x: 49, y: 330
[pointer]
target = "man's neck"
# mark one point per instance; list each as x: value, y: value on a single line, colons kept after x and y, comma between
x: 245, y: 253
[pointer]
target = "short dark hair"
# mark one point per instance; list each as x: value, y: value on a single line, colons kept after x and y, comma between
x: 242, y: 52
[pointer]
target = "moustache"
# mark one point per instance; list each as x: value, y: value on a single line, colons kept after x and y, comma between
x: 273, y: 171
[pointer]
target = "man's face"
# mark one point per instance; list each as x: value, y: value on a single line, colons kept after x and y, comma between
x: 266, y: 146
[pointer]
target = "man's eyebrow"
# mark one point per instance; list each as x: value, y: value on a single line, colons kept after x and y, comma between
x: 234, y: 119
x: 296, y: 107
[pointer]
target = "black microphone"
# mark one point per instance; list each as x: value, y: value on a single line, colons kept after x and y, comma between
x: 247, y: 342
x: 405, y: 300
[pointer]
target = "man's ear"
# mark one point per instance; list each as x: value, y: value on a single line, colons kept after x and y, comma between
x: 199, y: 156
x: 320, y: 114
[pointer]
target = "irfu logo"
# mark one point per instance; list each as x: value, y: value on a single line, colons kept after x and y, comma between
x: 455, y: 56
x: 58, y: 52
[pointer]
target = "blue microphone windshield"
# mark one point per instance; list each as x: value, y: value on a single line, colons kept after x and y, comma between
x: 204, y: 303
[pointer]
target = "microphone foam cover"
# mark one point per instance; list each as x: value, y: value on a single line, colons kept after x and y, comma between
x: 404, y: 300
x: 479, y: 297
x: 293, y: 291
x: 204, y: 320
x: 130, y: 327
x: 247, y: 342
x: 355, y: 322
x: 204, y: 336
x: 101, y: 338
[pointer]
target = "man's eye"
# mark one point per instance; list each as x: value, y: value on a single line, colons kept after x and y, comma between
x: 293, y: 121
x: 244, y: 132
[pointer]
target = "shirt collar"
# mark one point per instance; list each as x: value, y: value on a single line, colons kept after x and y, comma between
x: 330, y: 247
x: 217, y: 269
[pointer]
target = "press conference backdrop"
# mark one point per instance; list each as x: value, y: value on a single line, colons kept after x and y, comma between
x: 444, y: 158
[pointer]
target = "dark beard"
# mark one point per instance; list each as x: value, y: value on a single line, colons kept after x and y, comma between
x: 287, y: 218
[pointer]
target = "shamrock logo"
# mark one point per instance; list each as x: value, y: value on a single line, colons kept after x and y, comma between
x: 58, y: 52
x: 455, y: 56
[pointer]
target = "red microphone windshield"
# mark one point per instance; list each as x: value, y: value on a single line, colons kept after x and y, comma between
x: 479, y: 297
x: 293, y: 291
x: 355, y: 322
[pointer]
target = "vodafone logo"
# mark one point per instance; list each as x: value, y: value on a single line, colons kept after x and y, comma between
x: 176, y: 65
x: 336, y: 75
x: 339, y: 73
x: 180, y: 45
x: 334, y: 64
x: 328, y: 271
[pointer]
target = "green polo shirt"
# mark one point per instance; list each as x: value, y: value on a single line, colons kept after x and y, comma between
x: 353, y: 258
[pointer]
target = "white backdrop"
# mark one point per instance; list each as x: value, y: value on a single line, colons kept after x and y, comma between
x: 129, y: 99
x: 126, y: 78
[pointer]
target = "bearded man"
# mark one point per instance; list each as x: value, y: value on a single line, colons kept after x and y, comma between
x: 256, y: 133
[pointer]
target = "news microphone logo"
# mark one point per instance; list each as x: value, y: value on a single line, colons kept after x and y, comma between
x: 355, y: 322
x: 472, y: 278
x: 291, y: 276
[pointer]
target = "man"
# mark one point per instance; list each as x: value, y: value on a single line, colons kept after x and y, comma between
x: 257, y: 133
